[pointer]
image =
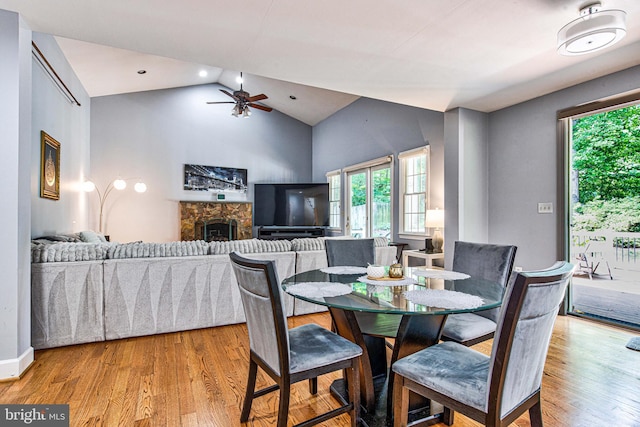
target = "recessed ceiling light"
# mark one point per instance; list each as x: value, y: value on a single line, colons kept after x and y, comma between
x: 142, y: 71
x: 203, y: 73
x: 239, y: 79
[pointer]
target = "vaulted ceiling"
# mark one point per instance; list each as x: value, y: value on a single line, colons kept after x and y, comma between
x: 431, y: 54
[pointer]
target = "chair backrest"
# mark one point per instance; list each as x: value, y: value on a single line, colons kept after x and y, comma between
x: 522, y: 338
x: 350, y: 252
x: 263, y: 307
x: 487, y: 261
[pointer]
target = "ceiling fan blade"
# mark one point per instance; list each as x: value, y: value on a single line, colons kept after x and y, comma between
x: 257, y: 97
x: 229, y: 94
x: 260, y: 107
x: 220, y: 102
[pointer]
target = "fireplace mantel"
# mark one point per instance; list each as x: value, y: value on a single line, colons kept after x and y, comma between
x: 190, y: 212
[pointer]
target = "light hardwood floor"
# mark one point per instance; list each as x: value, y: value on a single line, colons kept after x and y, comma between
x: 197, y: 378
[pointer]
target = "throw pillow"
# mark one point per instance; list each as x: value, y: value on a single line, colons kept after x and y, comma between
x: 89, y: 236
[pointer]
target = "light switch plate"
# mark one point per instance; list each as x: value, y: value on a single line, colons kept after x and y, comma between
x: 546, y: 207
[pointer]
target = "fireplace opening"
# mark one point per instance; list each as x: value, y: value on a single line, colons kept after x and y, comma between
x: 217, y: 229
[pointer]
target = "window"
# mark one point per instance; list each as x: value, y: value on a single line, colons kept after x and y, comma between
x: 333, y: 178
x: 414, y: 184
x: 368, y: 202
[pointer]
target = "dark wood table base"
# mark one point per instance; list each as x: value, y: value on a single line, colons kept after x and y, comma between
x: 379, y: 417
x: 369, y: 330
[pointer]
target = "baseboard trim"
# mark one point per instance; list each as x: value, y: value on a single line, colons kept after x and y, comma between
x: 12, y: 369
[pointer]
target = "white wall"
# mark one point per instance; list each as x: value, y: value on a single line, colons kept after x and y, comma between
x: 473, y: 193
x: 69, y: 125
x: 466, y: 178
x: 16, y: 352
x: 452, y: 180
x: 523, y: 165
x: 151, y: 135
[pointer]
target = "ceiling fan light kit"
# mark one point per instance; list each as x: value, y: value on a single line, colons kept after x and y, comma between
x: 595, y: 29
x: 243, y: 100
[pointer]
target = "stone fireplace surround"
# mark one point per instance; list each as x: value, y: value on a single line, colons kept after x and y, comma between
x: 191, y: 212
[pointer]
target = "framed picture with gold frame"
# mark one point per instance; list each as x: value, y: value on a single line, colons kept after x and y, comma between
x: 49, y: 167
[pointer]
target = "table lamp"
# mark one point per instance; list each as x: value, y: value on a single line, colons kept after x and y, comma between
x: 435, y: 219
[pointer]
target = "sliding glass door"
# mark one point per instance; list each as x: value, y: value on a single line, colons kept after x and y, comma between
x: 604, y: 214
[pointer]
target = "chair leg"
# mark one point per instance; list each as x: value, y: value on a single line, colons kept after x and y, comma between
x: 248, y: 396
x: 535, y: 415
x: 448, y: 416
x: 353, y: 383
x: 283, y: 407
x: 400, y: 402
x: 313, y: 385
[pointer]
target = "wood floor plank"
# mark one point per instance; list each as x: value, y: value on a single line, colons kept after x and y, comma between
x: 197, y: 378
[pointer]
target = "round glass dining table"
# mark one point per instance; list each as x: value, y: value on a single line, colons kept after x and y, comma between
x: 411, y: 311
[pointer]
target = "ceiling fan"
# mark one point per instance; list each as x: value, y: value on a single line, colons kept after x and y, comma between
x: 243, y: 101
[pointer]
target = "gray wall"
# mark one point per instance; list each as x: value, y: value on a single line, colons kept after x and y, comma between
x: 523, y: 165
x: 68, y: 124
x: 151, y: 135
x: 368, y: 129
x: 30, y: 102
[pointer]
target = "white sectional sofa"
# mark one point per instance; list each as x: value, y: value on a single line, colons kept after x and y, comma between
x: 87, y: 292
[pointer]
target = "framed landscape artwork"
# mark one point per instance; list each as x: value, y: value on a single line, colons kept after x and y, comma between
x: 49, y: 167
x: 215, y: 179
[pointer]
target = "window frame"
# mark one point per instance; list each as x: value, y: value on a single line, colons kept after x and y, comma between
x: 336, y: 174
x: 403, y: 157
x: 367, y: 167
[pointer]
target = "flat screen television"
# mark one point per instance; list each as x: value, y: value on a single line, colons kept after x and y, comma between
x: 291, y: 205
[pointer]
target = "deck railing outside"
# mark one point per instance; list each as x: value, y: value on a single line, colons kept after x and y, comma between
x: 621, y: 248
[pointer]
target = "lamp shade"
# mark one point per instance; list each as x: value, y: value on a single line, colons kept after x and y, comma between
x: 435, y: 218
x: 140, y: 187
x: 592, y: 31
x: 119, y: 184
x: 88, y: 186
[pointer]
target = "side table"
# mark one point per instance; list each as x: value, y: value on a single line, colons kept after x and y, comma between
x: 427, y: 257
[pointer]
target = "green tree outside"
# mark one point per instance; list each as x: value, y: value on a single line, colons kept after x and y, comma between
x: 381, y: 187
x: 606, y: 164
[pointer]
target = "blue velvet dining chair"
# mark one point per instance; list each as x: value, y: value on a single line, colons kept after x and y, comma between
x: 350, y: 252
x: 289, y: 355
x: 493, y: 390
x: 485, y: 261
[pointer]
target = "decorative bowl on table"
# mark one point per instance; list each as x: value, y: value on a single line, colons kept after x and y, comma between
x: 375, y: 271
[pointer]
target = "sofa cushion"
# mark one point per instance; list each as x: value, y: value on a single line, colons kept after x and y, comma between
x: 317, y: 243
x: 152, y: 250
x: 249, y: 246
x: 68, y: 252
x: 308, y: 244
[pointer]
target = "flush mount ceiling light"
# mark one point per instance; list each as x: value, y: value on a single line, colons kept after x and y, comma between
x: 594, y: 30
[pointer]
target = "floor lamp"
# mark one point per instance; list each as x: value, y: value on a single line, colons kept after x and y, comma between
x: 117, y: 184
